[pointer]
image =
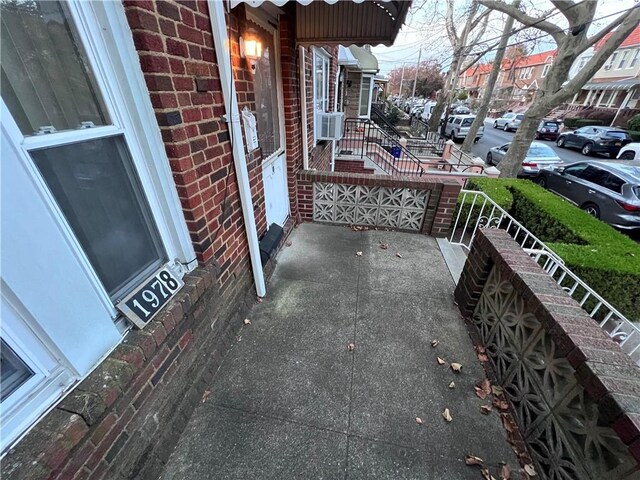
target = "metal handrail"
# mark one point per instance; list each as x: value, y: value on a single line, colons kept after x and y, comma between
x: 483, y: 212
x: 380, y: 119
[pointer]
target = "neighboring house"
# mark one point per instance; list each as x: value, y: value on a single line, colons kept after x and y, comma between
x: 357, y: 78
x: 131, y: 163
x: 474, y: 79
x: 615, y: 88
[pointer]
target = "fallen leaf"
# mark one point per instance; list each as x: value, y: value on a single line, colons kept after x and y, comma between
x: 384, y: 246
x: 259, y: 299
x: 441, y: 361
x: 483, y: 388
x: 447, y: 416
x: 497, y: 390
x: 456, y: 367
x: 480, y: 349
x: 435, y: 343
x: 351, y: 347
x: 505, y: 472
x: 205, y: 396
x: 419, y: 421
x: 485, y: 474
x: 473, y: 460
x: 486, y: 409
x: 288, y: 244
x: 529, y: 470
x: 452, y: 385
x: 398, y: 255
x: 500, y: 404
x: 247, y: 321
x: 359, y: 254
x: 482, y: 357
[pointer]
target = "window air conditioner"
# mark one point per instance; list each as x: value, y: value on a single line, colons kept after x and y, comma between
x: 330, y: 126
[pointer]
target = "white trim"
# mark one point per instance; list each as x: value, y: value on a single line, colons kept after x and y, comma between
x: 302, y: 53
x: 321, y: 52
x: 362, y: 77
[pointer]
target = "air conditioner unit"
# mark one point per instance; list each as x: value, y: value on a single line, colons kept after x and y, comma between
x: 330, y: 126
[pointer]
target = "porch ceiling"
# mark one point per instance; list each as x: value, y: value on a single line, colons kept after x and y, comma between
x: 356, y: 22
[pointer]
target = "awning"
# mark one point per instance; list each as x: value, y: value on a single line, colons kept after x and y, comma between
x: 367, y: 62
x: 347, y: 22
x: 346, y: 58
x: 624, y: 84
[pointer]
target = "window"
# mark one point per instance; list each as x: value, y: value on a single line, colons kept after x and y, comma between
x: 546, y: 69
x: 13, y: 371
x: 576, y: 170
x: 636, y: 58
x: 366, y: 90
x: 583, y: 62
x: 611, y: 61
x: 320, y: 83
x: 623, y: 60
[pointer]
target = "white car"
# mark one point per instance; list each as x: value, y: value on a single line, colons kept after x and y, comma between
x: 428, y: 109
x: 509, y: 121
x: 458, y: 126
x: 631, y: 151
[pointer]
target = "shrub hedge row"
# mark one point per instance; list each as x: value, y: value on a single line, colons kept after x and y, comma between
x: 581, y: 122
x: 607, y: 260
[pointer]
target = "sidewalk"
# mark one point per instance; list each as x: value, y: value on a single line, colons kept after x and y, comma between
x: 291, y: 400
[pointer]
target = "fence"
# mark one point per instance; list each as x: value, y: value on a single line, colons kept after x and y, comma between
x: 477, y: 210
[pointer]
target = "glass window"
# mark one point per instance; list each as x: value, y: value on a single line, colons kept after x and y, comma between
x: 467, y: 122
x: 97, y: 189
x: 576, y: 170
x: 266, y: 95
x: 13, y: 371
x: 540, y: 151
x: 611, y: 61
x: 636, y: 58
x: 546, y: 69
x: 45, y: 76
x: 457, y: 120
x: 321, y: 82
x: 365, y: 96
x: 623, y: 59
x: 620, y: 135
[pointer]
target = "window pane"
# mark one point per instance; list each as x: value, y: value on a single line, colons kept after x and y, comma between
x: 13, y: 371
x: 46, y: 80
x: 266, y: 92
x: 365, y: 90
x: 98, y: 191
x: 319, y: 81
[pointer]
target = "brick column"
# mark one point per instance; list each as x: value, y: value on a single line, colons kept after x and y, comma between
x: 446, y: 207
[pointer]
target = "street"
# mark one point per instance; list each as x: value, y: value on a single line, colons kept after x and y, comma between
x: 495, y: 137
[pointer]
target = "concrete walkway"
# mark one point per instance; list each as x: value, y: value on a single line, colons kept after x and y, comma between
x: 291, y: 401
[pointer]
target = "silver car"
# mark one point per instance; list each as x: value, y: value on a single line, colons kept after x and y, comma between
x: 458, y: 126
x: 609, y: 191
x: 539, y: 156
x: 509, y: 121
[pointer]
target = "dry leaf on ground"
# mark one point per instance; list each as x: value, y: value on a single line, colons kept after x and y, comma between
x: 435, y: 343
x: 419, y: 421
x: 485, y: 474
x: 351, y: 347
x: 358, y: 254
x: 486, y: 409
x: 447, y: 415
x: 205, y: 396
x: 452, y: 385
x: 497, y: 390
x: 483, y: 388
x: 480, y: 349
x: 441, y: 361
x: 259, y: 299
x: 288, y: 244
x: 398, y: 255
x: 529, y: 470
x: 384, y: 246
x: 456, y: 367
x: 505, y: 472
x: 473, y: 460
x: 247, y: 321
x: 500, y: 404
x: 482, y: 357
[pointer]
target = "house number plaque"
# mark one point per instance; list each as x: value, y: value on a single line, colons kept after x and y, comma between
x: 141, y: 305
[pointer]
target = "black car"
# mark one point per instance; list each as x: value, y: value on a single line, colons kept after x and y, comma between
x: 595, y: 140
x: 548, y: 130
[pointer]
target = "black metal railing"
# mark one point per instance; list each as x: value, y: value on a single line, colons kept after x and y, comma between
x: 432, y: 146
x: 418, y: 128
x: 379, y: 118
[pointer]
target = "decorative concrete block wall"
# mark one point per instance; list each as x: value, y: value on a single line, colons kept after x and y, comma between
x: 574, y: 392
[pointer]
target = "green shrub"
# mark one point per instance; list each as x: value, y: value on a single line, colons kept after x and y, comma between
x: 607, y: 260
x: 581, y: 122
x: 393, y: 115
x: 634, y: 123
x: 635, y: 135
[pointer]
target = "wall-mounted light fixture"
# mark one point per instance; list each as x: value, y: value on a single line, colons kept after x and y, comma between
x: 250, y: 48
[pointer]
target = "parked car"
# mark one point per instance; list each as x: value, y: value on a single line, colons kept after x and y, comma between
x: 428, y: 109
x: 631, y: 151
x: 595, y: 140
x: 416, y: 111
x: 538, y: 157
x: 457, y: 127
x: 548, y: 129
x: 461, y: 110
x: 502, y: 121
x: 609, y: 191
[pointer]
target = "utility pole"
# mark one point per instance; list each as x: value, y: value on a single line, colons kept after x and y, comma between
x: 415, y: 79
x: 401, y: 80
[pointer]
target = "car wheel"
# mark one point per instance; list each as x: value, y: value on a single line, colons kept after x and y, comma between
x: 542, y: 182
x: 495, y: 124
x: 628, y: 155
x: 560, y: 142
x: 489, y: 159
x: 592, y: 209
x: 587, y: 148
x: 506, y: 127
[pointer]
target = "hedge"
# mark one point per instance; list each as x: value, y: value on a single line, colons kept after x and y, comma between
x: 607, y: 260
x: 581, y: 122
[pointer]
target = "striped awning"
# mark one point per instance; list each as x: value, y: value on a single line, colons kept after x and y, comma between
x: 624, y: 84
x: 354, y: 22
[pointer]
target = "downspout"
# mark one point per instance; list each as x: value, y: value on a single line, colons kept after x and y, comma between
x: 303, y: 106
x: 232, y: 117
x: 334, y: 143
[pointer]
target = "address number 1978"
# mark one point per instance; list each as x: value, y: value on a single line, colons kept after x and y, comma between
x: 141, y: 305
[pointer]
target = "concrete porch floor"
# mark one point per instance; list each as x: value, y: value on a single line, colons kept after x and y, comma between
x: 291, y: 401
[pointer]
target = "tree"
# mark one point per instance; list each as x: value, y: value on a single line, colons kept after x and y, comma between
x: 430, y: 79
x: 491, y: 83
x: 571, y: 42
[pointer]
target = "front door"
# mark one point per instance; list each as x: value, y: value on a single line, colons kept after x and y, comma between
x: 269, y: 120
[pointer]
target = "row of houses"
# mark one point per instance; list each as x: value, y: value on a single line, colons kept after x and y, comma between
x: 614, y: 88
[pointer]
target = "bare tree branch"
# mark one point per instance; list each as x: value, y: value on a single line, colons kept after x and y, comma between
x: 622, y: 19
x: 484, y: 15
x: 567, y: 8
x: 548, y: 27
x: 451, y: 28
x: 477, y: 56
x: 481, y: 30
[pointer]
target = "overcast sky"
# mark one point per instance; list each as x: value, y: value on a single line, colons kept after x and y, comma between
x: 424, y: 29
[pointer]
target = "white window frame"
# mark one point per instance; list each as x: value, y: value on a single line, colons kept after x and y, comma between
x: 319, y: 54
x: 635, y: 59
x: 545, y: 69
x: 611, y: 61
x: 371, y: 77
x: 104, y: 32
x: 623, y: 60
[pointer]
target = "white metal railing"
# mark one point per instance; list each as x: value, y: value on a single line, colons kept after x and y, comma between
x: 478, y: 210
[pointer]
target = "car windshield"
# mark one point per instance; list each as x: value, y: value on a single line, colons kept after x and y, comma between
x: 520, y: 117
x: 540, y: 151
x: 467, y: 122
x: 550, y: 124
x: 620, y: 135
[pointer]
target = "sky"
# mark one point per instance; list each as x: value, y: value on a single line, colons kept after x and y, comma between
x: 424, y: 29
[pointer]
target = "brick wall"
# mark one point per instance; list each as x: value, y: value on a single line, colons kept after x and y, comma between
x: 352, y: 166
x: 439, y: 209
x: 352, y: 93
x: 125, y: 418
